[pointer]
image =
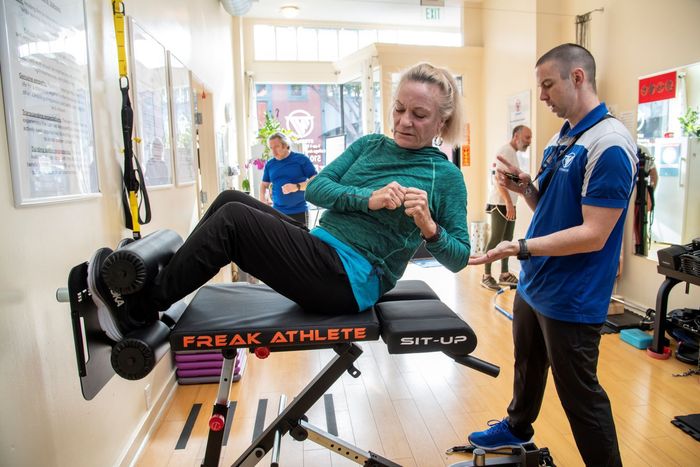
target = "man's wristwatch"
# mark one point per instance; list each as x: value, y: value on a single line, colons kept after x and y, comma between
x: 435, y: 237
x: 298, y: 186
x: 524, y: 253
x: 529, y: 190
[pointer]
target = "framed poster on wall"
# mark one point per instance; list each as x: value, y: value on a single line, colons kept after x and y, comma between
x: 48, y: 108
x: 183, y: 121
x: 152, y: 110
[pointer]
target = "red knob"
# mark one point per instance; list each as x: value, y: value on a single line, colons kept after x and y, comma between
x: 262, y: 352
x: 217, y: 422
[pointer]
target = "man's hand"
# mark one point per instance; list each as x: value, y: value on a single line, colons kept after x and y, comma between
x: 289, y: 188
x: 504, y: 181
x: 503, y: 250
x: 389, y: 197
x: 416, y: 206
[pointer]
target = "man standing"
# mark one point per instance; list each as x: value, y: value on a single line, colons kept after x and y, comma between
x: 569, y: 260
x: 501, y: 206
x: 288, y: 172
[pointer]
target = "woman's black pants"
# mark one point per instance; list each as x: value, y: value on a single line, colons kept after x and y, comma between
x: 266, y: 244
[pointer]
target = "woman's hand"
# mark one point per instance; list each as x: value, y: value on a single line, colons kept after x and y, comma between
x: 523, y: 179
x: 389, y: 197
x: 510, y: 210
x: 503, y: 250
x: 416, y: 206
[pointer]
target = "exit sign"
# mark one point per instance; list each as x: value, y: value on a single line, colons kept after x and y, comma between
x: 432, y: 13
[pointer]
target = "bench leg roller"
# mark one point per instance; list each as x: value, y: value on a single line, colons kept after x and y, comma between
x: 130, y: 267
x: 138, y: 353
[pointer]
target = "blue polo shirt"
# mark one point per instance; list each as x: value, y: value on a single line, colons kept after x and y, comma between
x: 599, y: 170
x: 295, y: 168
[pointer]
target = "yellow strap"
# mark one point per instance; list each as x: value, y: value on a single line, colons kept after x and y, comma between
x: 118, y: 12
x: 134, y: 205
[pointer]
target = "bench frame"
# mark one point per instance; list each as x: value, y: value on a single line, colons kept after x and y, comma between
x: 292, y: 418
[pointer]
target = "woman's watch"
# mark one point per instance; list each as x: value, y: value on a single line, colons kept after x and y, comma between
x: 435, y: 237
x: 523, y: 253
x: 529, y: 190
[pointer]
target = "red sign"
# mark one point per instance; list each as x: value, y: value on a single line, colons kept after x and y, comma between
x: 657, y: 88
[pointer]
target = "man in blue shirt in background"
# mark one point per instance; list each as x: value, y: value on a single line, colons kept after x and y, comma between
x: 288, y: 172
x: 569, y: 259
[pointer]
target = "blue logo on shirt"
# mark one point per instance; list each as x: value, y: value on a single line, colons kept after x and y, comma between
x: 568, y: 159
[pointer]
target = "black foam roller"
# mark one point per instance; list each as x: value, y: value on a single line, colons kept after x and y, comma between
x: 132, y: 266
x: 138, y: 353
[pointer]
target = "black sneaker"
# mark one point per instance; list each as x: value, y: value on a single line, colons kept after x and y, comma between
x: 112, y: 307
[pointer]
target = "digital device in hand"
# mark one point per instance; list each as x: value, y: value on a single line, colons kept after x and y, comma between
x: 513, y: 177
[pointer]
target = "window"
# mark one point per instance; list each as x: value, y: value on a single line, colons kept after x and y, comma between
x: 352, y: 111
x: 316, y: 114
x: 347, y: 42
x: 327, y: 45
x: 307, y: 41
x: 296, y: 92
x: 366, y: 37
x: 377, y: 99
x: 286, y: 39
x: 264, y: 39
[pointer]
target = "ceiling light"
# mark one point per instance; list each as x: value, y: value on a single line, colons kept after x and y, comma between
x: 289, y: 11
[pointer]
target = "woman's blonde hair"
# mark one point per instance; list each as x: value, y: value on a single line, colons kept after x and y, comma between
x: 449, y: 104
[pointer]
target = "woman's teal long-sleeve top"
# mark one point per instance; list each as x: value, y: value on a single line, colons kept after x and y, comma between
x: 389, y: 238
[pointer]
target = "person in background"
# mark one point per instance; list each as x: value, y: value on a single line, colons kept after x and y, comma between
x: 569, y: 259
x: 157, y: 172
x: 649, y: 170
x: 289, y: 173
x: 501, y: 206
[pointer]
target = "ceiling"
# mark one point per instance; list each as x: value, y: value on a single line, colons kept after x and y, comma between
x: 385, y: 12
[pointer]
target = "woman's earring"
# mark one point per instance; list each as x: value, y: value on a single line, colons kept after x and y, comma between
x: 437, y: 141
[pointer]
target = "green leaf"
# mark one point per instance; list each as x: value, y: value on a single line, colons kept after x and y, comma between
x: 690, y: 123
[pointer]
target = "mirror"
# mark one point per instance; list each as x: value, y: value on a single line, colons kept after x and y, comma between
x: 667, y: 203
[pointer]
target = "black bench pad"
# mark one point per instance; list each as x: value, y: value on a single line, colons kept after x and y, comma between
x: 228, y: 316
x: 424, y: 326
x: 409, y: 290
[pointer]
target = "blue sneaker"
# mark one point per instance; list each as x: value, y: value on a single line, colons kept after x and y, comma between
x: 498, y: 436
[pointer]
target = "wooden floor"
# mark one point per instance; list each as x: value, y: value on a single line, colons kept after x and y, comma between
x: 411, y: 408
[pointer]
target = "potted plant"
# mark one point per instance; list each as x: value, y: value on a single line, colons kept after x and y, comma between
x: 690, y: 123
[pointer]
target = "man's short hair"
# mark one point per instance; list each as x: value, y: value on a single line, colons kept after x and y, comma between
x: 280, y: 136
x: 568, y: 57
x: 517, y: 130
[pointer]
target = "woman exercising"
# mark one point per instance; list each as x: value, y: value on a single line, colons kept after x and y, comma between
x: 383, y: 197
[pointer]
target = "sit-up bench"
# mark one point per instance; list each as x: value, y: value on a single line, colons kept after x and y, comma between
x: 409, y: 319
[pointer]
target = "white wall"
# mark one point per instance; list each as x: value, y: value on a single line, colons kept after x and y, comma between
x: 45, y: 420
x: 509, y: 37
